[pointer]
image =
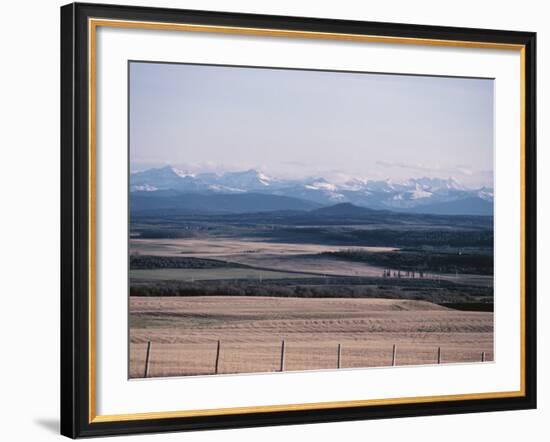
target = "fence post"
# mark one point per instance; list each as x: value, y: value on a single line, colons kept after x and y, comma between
x: 283, y: 356
x: 217, y: 357
x: 439, y: 355
x: 482, y: 356
x: 147, y: 355
x: 394, y: 356
x: 339, y: 355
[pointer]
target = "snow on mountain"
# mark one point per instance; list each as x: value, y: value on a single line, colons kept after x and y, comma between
x: 160, y: 178
x: 182, y: 173
x: 355, y: 184
x: 419, y: 193
x: 144, y: 188
x: 380, y: 186
x: 247, y: 180
x: 438, y: 183
x: 411, y: 194
x: 224, y: 189
x: 321, y: 183
x: 485, y: 194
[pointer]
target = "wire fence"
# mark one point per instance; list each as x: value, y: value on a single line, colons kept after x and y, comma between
x: 217, y: 357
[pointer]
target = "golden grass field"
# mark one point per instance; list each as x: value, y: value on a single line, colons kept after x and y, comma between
x: 184, y: 332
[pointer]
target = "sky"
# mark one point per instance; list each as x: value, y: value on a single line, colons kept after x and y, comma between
x: 300, y: 123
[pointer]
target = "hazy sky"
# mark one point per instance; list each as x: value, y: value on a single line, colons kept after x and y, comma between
x: 293, y: 123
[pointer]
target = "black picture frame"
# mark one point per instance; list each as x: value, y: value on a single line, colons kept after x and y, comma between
x: 75, y: 220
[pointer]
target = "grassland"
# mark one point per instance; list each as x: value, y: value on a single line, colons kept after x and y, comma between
x: 251, y: 280
x: 184, y: 332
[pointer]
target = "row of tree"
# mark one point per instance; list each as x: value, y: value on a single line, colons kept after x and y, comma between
x: 389, y: 273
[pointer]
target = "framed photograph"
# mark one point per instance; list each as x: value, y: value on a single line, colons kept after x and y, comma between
x: 274, y: 220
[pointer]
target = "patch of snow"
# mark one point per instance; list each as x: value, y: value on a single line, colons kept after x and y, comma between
x: 322, y: 185
x: 336, y: 197
x: 419, y: 193
x: 144, y: 188
x: 485, y: 194
x: 220, y: 188
x: 182, y: 173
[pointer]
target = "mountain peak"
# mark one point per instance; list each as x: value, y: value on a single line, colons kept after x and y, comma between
x: 428, y: 183
x: 250, y: 178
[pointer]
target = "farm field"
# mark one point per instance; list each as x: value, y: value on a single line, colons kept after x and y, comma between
x: 184, y: 332
x: 273, y: 257
x: 223, y: 247
x: 317, y: 283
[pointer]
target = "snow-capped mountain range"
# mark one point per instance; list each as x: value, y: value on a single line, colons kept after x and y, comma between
x: 428, y: 195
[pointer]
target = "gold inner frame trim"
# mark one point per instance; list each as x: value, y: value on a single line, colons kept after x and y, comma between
x: 93, y: 24
x: 301, y: 34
